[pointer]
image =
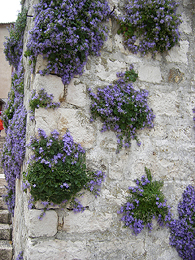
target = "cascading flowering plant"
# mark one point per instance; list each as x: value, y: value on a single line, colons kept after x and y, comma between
x: 41, y: 99
x: 150, y: 25
x: 57, y: 171
x: 146, y: 202
x: 122, y: 108
x: 65, y: 33
x: 14, y: 117
x: 13, y: 47
x: 183, y: 229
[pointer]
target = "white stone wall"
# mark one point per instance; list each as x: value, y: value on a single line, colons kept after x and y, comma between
x: 168, y: 150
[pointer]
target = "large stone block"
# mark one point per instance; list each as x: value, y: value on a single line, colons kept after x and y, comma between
x: 52, y: 84
x: 149, y: 73
x: 47, y: 226
x: 76, y: 93
x: 56, y: 250
x: 179, y: 53
x: 79, y: 126
x: 87, y: 221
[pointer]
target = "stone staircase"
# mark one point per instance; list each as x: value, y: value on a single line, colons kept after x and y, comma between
x: 6, y: 249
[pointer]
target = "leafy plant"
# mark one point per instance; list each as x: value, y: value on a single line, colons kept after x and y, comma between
x: 122, y: 108
x: 41, y: 99
x: 65, y: 33
x: 14, y: 43
x: 146, y: 202
x: 183, y: 229
x: 57, y: 170
x: 14, y: 147
x: 150, y: 25
x: 15, y: 96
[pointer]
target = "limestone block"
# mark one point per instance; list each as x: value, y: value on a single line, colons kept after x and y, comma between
x: 179, y: 53
x: 41, y: 64
x: 46, y: 119
x: 108, y: 70
x: 56, y: 250
x: 87, y: 221
x: 185, y: 26
x: 76, y: 94
x: 47, y: 226
x: 116, y: 170
x: 149, y: 73
x: 52, y: 85
x: 164, y: 103
x: 79, y: 126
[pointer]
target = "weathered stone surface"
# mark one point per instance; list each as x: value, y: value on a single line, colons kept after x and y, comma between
x: 78, y: 124
x: 176, y: 76
x: 76, y: 93
x: 52, y: 84
x: 47, y: 226
x: 149, y: 73
x: 56, y: 249
x: 179, y: 53
x: 87, y: 221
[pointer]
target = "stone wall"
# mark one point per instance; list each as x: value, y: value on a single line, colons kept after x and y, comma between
x: 168, y: 150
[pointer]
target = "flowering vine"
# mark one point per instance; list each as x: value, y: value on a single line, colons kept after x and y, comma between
x: 13, y: 47
x: 146, y: 202
x: 57, y: 171
x: 41, y: 99
x: 150, y: 25
x: 15, y: 126
x: 183, y: 229
x: 122, y: 108
x: 65, y: 33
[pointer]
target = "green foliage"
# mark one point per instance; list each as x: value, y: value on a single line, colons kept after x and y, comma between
x: 150, y: 25
x: 14, y: 43
x: 146, y: 201
x: 57, y: 170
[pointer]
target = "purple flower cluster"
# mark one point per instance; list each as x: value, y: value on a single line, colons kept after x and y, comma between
x: 14, y: 44
x: 57, y: 171
x: 150, y: 25
x: 41, y: 99
x: 145, y: 203
x: 122, y: 109
x: 14, y: 146
x: 20, y: 256
x: 183, y: 229
x: 65, y: 33
x: 95, y: 183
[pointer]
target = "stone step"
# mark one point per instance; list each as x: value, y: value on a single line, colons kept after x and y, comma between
x: 5, y: 232
x: 2, y: 204
x: 6, y: 250
x: 5, y: 217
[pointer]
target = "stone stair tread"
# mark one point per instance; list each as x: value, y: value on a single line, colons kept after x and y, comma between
x: 5, y: 216
x: 5, y: 232
x: 3, y: 205
x: 5, y: 244
x: 6, y: 250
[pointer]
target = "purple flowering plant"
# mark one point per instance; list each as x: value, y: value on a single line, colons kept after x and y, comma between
x: 41, y: 99
x: 65, y: 33
x: 150, y: 25
x: 13, y: 46
x: 146, y: 202
x: 183, y: 229
x: 20, y: 256
x: 122, y: 109
x: 14, y: 117
x: 57, y: 171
